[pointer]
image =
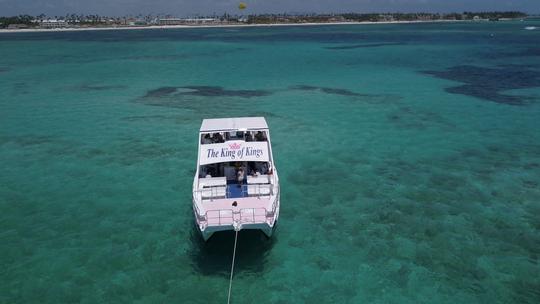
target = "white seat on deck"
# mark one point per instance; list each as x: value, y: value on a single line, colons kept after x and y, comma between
x: 226, y: 214
x: 253, y: 215
x: 212, y: 181
x: 261, y: 179
x: 258, y: 190
x: 220, y: 217
x: 214, y: 192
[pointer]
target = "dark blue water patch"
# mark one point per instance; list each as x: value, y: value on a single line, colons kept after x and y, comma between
x: 146, y: 118
x: 531, y: 166
x: 89, y: 87
x: 182, y: 56
x: 530, y: 184
x: 407, y: 117
x: 4, y: 69
x: 525, y: 291
x: 482, y: 93
x: 359, y: 46
x: 204, y: 91
x: 48, y: 147
x: 160, y: 92
x: 21, y: 88
x: 28, y: 140
x: 172, y: 57
x: 216, y: 91
x: 505, y: 54
x: 526, y: 52
x: 159, y: 57
x: 127, y: 152
x: 488, y: 83
x: 327, y: 90
x: 202, y: 99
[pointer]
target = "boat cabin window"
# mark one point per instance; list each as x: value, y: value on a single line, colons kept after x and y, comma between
x: 212, y: 138
x: 221, y: 137
x: 230, y: 169
x: 256, y: 136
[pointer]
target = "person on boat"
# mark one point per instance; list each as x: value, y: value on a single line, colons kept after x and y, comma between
x: 218, y: 138
x: 249, y: 137
x: 206, y: 139
x: 261, y: 167
x: 240, y: 177
x: 260, y: 136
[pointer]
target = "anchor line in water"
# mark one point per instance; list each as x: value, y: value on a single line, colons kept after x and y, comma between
x: 232, y: 266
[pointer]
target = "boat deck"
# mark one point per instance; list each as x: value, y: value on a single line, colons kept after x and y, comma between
x: 235, y: 190
x: 247, y: 210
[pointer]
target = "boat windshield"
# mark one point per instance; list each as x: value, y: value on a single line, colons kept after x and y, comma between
x: 230, y: 169
x: 221, y: 137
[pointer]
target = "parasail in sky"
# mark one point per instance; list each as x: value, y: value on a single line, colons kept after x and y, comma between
x: 242, y: 6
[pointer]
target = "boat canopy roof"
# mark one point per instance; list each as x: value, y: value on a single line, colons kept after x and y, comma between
x: 229, y: 124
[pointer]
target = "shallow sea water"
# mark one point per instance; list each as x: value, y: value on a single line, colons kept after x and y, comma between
x: 409, y: 158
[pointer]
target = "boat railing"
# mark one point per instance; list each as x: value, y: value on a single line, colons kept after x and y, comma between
x: 258, y: 190
x: 224, y: 217
x: 219, y: 217
x: 211, y: 193
x: 275, y: 203
x: 227, y: 216
x: 200, y: 216
x: 247, y: 190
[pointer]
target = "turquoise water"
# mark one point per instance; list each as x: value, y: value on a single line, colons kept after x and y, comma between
x: 409, y: 157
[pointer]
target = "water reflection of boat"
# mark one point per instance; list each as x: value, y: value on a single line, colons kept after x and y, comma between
x: 236, y: 185
x: 530, y: 28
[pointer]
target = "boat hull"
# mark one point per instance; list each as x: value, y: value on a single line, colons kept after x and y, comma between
x: 266, y: 228
x: 208, y: 232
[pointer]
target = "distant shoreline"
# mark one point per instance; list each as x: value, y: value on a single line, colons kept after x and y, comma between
x: 164, y: 27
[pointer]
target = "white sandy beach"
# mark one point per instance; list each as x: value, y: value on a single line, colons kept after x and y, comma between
x: 150, y: 27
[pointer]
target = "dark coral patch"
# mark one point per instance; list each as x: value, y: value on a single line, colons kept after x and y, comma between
x: 204, y: 91
x: 334, y: 91
x: 475, y: 91
x: 488, y: 83
x: 160, y: 92
x: 215, y: 91
x: 145, y: 117
x: 87, y: 87
x: 528, y: 52
x: 342, y: 92
x: 523, y: 52
x: 159, y: 57
x: 304, y: 88
x: 360, y: 46
x: 27, y: 140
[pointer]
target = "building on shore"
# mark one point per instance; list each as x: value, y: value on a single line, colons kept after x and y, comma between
x: 17, y: 26
x: 170, y: 21
x: 184, y: 21
x: 136, y: 22
x: 53, y: 23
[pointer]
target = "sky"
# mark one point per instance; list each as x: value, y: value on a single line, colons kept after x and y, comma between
x: 185, y: 8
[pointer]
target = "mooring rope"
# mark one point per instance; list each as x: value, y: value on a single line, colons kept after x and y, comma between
x: 232, y: 266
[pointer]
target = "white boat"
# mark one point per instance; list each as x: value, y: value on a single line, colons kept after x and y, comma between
x: 236, y: 185
x: 530, y: 28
